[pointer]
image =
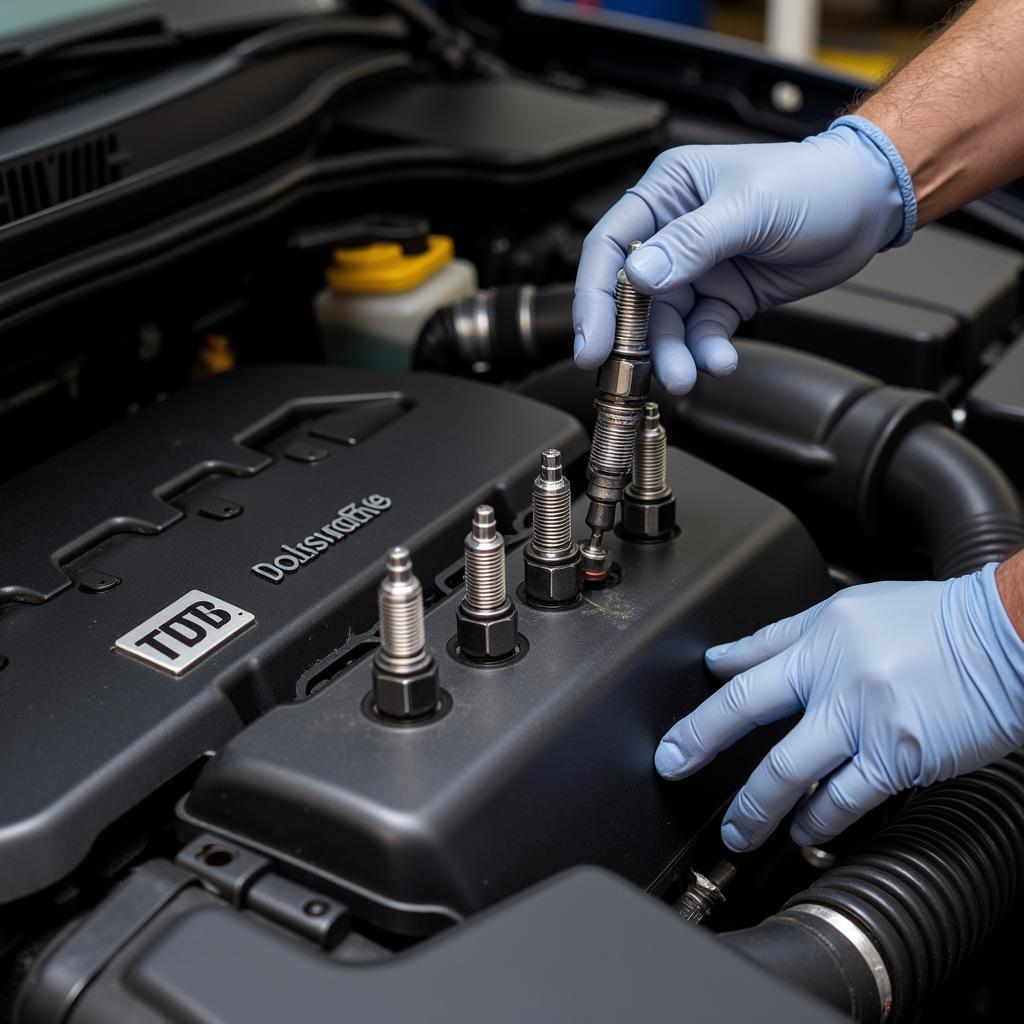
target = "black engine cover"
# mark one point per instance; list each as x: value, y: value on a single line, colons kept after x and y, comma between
x: 190, y: 495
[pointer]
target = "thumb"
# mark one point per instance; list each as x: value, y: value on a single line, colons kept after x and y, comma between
x: 687, y: 248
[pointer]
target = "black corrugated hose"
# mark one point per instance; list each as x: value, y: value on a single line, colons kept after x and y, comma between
x: 924, y: 892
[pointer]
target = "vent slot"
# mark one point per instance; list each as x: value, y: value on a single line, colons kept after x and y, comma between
x: 30, y: 186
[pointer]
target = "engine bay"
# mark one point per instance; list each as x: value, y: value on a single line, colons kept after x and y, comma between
x: 209, y: 812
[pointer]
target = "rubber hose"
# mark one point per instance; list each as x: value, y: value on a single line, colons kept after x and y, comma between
x: 956, y: 498
x: 501, y: 332
x: 924, y: 892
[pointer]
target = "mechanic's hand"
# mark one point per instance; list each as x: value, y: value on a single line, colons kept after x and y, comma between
x: 731, y: 230
x: 902, y: 684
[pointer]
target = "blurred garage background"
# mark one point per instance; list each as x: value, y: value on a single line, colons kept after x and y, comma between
x: 865, y: 37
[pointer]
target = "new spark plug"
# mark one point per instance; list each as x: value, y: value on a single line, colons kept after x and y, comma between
x: 487, y: 619
x: 405, y: 684
x: 552, y: 557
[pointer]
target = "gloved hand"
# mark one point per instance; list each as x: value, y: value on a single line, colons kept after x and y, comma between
x: 902, y: 684
x: 731, y: 230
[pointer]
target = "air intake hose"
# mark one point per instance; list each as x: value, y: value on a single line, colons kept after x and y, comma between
x: 505, y: 331
x: 845, y: 450
x: 878, y: 934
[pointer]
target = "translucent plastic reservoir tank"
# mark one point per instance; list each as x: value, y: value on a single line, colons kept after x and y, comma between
x: 379, y: 296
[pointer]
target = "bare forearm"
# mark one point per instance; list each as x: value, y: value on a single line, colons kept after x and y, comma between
x: 1010, y: 580
x: 956, y: 112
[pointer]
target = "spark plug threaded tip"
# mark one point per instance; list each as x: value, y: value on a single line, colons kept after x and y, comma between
x: 650, y: 463
x: 400, y: 606
x: 632, y: 313
x: 485, y: 563
x: 614, y: 439
x: 552, y: 510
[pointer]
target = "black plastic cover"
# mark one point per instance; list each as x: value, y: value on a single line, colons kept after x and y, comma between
x: 540, y: 764
x: 511, y: 121
x: 915, y: 316
x: 583, y: 947
x: 995, y: 411
x: 893, y: 339
x: 87, y: 731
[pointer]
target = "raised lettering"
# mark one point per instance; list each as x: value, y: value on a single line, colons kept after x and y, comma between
x: 268, y: 572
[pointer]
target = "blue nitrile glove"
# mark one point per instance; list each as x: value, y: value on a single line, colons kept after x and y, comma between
x: 731, y: 230
x: 902, y: 684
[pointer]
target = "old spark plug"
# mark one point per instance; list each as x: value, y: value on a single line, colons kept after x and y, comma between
x: 622, y: 383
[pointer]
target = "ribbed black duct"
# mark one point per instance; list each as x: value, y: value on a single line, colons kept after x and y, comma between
x: 498, y: 333
x: 916, y: 900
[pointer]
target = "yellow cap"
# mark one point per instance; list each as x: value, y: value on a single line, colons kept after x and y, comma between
x: 383, y: 267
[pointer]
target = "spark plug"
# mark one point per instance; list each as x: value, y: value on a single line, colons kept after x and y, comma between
x: 622, y: 384
x: 488, y: 622
x: 405, y: 682
x: 648, y: 504
x: 704, y: 892
x: 552, y: 557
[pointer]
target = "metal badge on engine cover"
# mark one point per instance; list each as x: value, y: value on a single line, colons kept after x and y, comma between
x: 184, y: 632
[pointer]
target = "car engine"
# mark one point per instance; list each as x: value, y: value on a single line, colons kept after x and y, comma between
x: 310, y: 706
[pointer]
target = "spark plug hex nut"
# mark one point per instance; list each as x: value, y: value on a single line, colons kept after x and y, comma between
x: 554, y: 582
x: 488, y: 638
x: 406, y: 695
x: 648, y: 520
x: 625, y: 378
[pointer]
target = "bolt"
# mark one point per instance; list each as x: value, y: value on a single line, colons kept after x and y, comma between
x: 404, y: 673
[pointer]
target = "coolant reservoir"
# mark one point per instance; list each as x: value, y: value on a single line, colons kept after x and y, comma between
x: 379, y: 296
